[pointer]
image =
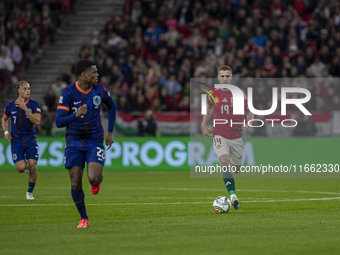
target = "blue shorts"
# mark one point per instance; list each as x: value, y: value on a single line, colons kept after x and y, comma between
x: 25, y: 152
x: 75, y: 156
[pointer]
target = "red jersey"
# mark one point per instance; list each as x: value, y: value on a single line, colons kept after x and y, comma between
x: 224, y: 110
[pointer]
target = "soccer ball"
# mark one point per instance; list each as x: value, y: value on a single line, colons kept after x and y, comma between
x: 222, y: 205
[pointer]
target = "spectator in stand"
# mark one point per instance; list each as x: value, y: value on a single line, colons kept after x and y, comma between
x: 260, y: 39
x: 184, y: 14
x: 171, y: 34
x: 124, y: 67
x: 325, y: 56
x: 140, y: 50
x: 136, y: 11
x: 317, y: 67
x: 48, y: 22
x: 154, y: 32
x: 51, y: 100
x: 66, y: 77
x: 276, y: 9
x: 300, y: 7
x: 172, y: 85
x: 184, y: 105
x: 14, y: 52
x: 260, y: 57
x: 301, y: 65
x: 100, y: 59
x: 123, y: 104
x: 107, y: 67
x: 6, y: 63
x: 141, y: 104
x: 165, y: 100
x: 335, y: 67
x: 46, y: 123
x: 114, y: 40
x: 156, y: 105
x: 261, y: 97
x: 147, y: 126
x: 58, y: 86
x: 268, y: 69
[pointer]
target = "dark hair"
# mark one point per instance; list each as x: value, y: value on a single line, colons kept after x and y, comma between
x: 19, y: 84
x: 83, y: 65
x: 224, y: 68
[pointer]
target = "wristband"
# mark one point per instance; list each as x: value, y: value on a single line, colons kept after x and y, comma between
x: 6, y: 132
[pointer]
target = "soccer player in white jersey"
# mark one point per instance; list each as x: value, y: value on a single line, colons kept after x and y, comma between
x: 227, y: 140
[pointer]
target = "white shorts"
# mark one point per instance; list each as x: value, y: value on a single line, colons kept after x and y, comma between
x: 233, y: 148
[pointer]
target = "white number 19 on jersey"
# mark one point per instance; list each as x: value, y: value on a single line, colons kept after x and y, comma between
x: 225, y: 109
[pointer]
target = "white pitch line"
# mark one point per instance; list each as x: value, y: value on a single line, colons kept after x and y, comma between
x: 293, y: 200
x: 96, y: 197
x: 190, y: 189
x: 176, y: 203
x: 193, y: 189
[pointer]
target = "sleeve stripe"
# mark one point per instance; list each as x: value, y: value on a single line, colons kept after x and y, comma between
x: 36, y: 113
x: 6, y: 116
x: 63, y: 108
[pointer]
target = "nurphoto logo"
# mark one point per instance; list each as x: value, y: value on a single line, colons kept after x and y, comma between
x: 238, y: 104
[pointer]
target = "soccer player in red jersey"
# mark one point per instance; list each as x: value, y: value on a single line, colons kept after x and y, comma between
x: 227, y: 139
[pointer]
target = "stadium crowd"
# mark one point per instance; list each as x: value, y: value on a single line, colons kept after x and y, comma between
x: 24, y: 27
x: 146, y: 56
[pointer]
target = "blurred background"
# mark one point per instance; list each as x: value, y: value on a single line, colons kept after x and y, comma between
x: 147, y: 51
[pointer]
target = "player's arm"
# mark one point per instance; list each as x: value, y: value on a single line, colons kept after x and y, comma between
x: 206, y: 118
x: 33, y: 117
x: 112, y: 111
x: 4, y: 124
x: 64, y: 117
x: 250, y: 116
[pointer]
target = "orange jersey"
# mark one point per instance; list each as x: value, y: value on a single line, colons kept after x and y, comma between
x: 224, y: 110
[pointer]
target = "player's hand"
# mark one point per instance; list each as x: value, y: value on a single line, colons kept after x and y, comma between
x: 82, y: 110
x: 206, y: 131
x: 248, y: 128
x: 8, y: 137
x: 20, y: 104
x: 109, y: 140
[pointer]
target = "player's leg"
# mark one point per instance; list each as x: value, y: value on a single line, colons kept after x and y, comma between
x: 95, y: 162
x: 222, y: 151
x: 20, y: 166
x: 236, y: 152
x: 32, y: 155
x: 32, y: 178
x: 18, y: 156
x: 74, y: 162
x: 95, y: 176
x: 228, y: 177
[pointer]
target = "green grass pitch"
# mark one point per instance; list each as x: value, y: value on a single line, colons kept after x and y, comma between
x: 169, y: 213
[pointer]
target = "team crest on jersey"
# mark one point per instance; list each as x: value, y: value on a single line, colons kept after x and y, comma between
x: 218, y: 146
x: 96, y: 101
x: 15, y: 156
x: 217, y: 100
